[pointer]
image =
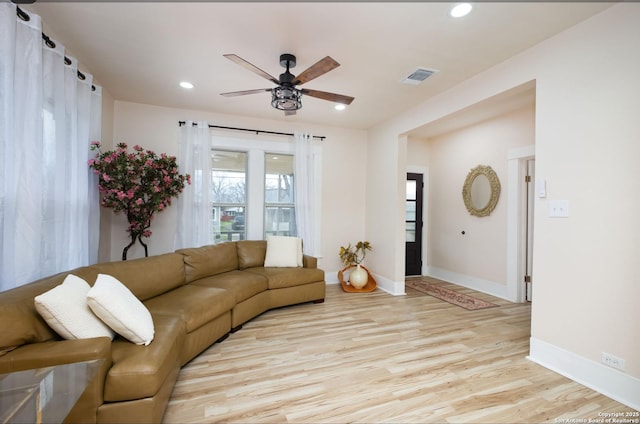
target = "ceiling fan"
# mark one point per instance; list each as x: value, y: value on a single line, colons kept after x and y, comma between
x: 285, y: 96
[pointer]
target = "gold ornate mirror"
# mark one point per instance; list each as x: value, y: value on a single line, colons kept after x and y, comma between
x: 481, y: 190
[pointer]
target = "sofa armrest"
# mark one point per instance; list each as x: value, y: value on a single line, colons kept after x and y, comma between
x: 309, y: 261
x: 48, y: 354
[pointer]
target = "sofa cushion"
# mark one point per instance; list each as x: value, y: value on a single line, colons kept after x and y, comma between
x: 114, y: 304
x: 200, y: 262
x: 242, y: 284
x: 288, y: 277
x: 251, y: 253
x: 195, y: 305
x: 65, y: 309
x: 138, y: 371
x: 145, y: 277
x: 283, y: 251
x: 17, y: 307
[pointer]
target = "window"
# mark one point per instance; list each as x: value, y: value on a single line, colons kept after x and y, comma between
x: 232, y: 185
x: 268, y: 207
x: 279, y: 206
x: 229, y: 183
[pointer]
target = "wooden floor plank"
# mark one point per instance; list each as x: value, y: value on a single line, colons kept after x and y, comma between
x: 373, y: 357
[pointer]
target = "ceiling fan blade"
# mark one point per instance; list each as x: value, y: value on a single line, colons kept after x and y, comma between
x: 332, y: 97
x: 240, y: 61
x: 314, y: 71
x: 242, y: 93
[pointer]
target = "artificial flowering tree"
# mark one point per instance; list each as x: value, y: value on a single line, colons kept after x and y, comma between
x: 137, y: 183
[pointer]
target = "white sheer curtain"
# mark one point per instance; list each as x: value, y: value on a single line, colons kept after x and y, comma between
x: 305, y: 190
x: 195, y: 219
x: 48, y: 117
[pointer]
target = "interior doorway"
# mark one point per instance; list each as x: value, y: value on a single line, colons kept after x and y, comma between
x: 413, y: 224
x: 520, y: 217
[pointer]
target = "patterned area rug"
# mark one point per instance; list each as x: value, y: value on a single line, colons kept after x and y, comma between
x: 459, y: 299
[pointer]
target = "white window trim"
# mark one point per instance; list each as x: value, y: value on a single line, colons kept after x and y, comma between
x: 256, y: 149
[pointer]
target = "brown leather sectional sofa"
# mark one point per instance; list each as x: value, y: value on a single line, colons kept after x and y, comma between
x: 196, y: 297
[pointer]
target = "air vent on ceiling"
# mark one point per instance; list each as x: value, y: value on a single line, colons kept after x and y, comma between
x: 419, y: 75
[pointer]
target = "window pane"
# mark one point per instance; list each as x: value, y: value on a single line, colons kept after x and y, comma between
x: 228, y: 223
x: 279, y: 179
x: 229, y: 172
x: 229, y: 182
x: 280, y: 221
x: 280, y: 213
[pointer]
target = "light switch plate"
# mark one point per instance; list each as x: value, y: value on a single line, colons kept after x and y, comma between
x: 559, y: 208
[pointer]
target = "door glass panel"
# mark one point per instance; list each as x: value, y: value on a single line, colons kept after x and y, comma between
x: 410, y: 212
x: 411, y: 232
x: 411, y: 190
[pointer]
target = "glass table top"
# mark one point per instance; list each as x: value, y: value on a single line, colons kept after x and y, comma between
x: 44, y: 395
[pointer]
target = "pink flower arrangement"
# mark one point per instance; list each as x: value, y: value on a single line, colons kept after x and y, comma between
x: 137, y: 183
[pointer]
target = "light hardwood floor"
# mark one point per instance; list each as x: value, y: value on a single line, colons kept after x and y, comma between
x: 373, y: 358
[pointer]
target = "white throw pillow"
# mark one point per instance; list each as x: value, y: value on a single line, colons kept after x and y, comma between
x: 114, y: 304
x: 283, y: 251
x: 65, y: 309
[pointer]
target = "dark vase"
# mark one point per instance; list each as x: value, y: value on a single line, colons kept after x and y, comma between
x: 134, y: 237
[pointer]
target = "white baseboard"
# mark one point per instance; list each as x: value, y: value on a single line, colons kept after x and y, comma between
x: 610, y: 382
x: 484, y: 286
x: 331, y: 277
x: 395, y: 288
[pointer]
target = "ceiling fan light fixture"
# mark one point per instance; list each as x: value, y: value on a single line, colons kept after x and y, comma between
x: 286, y: 98
x: 340, y: 106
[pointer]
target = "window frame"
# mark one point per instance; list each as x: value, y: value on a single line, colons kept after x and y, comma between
x: 256, y: 149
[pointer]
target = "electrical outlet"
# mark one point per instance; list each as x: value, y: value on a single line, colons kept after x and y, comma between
x: 613, y: 361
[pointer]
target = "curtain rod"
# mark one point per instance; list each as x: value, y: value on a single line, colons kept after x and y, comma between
x: 50, y: 43
x: 318, y: 137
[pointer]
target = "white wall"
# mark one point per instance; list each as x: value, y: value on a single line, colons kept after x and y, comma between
x: 386, y: 190
x: 343, y: 183
x: 586, y: 288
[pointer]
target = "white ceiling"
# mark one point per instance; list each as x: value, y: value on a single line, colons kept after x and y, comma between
x: 139, y: 52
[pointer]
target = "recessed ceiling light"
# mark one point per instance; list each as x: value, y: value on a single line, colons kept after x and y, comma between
x: 461, y: 9
x: 340, y: 106
x: 185, y: 84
